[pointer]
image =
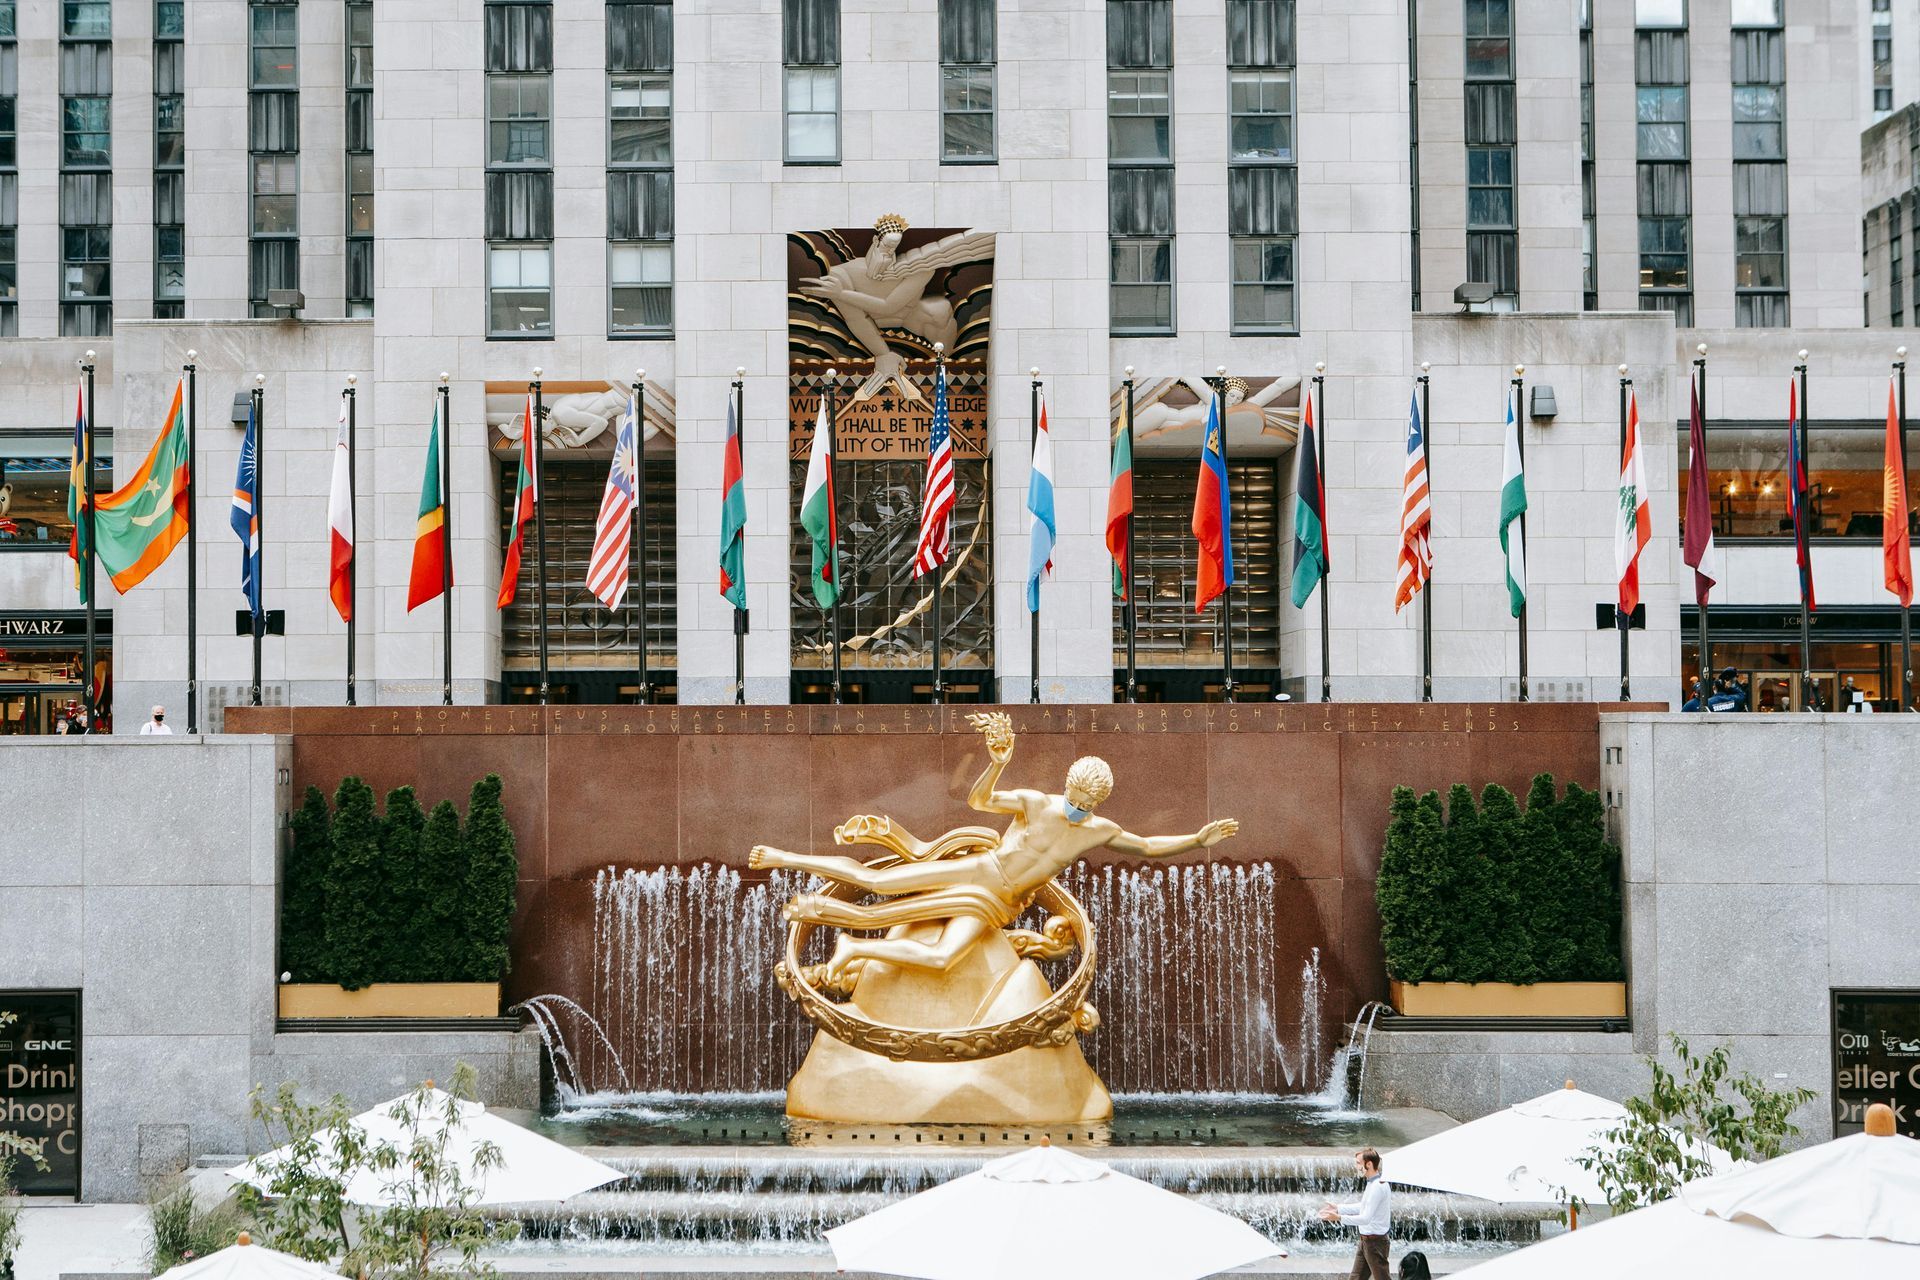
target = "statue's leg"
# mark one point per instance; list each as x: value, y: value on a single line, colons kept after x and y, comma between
x: 904, y: 878
x: 958, y: 937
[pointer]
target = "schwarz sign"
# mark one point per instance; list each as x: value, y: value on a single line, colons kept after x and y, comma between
x: 40, y: 1085
x: 1876, y: 1058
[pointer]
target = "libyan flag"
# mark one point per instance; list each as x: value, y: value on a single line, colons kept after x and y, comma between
x: 139, y: 524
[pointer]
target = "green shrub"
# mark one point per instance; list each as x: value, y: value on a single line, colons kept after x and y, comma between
x: 303, y: 901
x: 492, y: 873
x: 438, y: 930
x: 400, y: 831
x: 355, y: 884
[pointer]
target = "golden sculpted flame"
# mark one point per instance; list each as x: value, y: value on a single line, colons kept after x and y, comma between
x: 946, y: 1016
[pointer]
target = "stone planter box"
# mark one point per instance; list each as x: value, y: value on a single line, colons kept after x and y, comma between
x: 1508, y: 1000
x: 391, y: 1000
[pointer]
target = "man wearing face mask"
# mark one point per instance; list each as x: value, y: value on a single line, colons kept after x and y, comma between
x: 157, y: 725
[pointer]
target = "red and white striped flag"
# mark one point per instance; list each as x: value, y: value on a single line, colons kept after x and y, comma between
x: 1416, y: 514
x: 1634, y: 528
x: 613, y: 530
x: 936, y: 500
x: 340, y: 521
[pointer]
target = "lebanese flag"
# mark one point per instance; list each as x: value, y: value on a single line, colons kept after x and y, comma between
x: 1633, y: 527
x: 1895, y: 549
x: 340, y: 521
x: 526, y: 495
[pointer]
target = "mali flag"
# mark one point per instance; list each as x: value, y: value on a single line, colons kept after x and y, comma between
x: 1120, y: 510
x: 138, y: 525
x: 430, y: 574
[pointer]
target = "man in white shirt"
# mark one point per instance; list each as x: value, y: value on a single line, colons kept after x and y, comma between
x: 1370, y: 1215
x: 158, y: 724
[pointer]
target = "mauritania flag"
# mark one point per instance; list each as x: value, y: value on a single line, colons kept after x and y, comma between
x: 1513, y: 505
x: 1041, y: 526
x: 245, y: 515
x: 733, y: 514
x: 139, y: 524
x: 817, y: 515
x: 429, y: 575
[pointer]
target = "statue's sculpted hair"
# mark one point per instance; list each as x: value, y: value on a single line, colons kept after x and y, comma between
x: 1091, y: 775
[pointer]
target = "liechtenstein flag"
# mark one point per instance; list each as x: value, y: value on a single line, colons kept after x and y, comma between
x: 1212, y: 515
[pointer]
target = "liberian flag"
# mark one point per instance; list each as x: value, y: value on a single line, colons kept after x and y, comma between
x: 613, y: 528
x: 526, y: 493
x: 817, y: 515
x: 245, y: 515
x: 1698, y: 551
x: 1513, y: 506
x: 1041, y: 526
x: 1416, y: 514
x: 1310, y: 562
x: 77, y: 491
x: 936, y: 499
x: 340, y: 521
x: 1120, y: 511
x: 1634, y: 527
x: 1894, y: 547
x: 430, y: 575
x: 1797, y: 496
x: 733, y: 514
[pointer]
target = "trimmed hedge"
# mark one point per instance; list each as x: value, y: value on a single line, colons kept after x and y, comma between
x: 402, y: 896
x: 1494, y: 894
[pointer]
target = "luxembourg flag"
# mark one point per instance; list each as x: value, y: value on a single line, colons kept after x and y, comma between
x: 340, y: 522
x: 1042, y: 528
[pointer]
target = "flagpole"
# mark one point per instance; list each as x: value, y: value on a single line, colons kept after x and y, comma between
x: 833, y: 551
x: 644, y: 695
x: 446, y: 539
x: 1426, y: 591
x: 193, y: 558
x: 1621, y: 617
x: 353, y: 523
x: 1802, y: 529
x: 259, y: 525
x: 1227, y: 689
x: 1520, y: 438
x: 1130, y: 607
x: 1706, y: 636
x: 740, y: 615
x: 1033, y: 694
x: 540, y: 527
x: 1906, y: 614
x: 89, y: 555
x: 939, y: 687
x: 1320, y: 473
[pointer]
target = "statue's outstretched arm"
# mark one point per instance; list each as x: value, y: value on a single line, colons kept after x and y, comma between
x: 1166, y: 846
x: 997, y: 728
x: 904, y: 878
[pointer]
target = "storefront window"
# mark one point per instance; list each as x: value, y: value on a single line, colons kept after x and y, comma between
x: 33, y: 491
x: 1747, y: 467
x: 40, y: 687
x: 1769, y: 672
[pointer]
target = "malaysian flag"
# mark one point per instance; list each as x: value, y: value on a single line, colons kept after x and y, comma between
x: 1416, y: 514
x: 936, y: 501
x: 613, y: 530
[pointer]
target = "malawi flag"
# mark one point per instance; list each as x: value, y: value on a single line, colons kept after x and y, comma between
x: 733, y: 515
x: 817, y: 514
x: 139, y: 524
x: 430, y: 574
x: 1120, y: 511
x: 526, y: 497
x: 1310, y: 563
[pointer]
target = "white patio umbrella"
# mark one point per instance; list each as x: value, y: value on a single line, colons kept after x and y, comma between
x: 1522, y: 1155
x: 532, y: 1169
x: 1048, y: 1212
x: 1848, y: 1207
x: 245, y: 1260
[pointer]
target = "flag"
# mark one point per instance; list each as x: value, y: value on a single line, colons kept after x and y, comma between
x: 1041, y: 526
x: 1310, y: 562
x: 936, y: 499
x: 1698, y: 551
x: 1416, y: 513
x: 733, y: 515
x: 245, y: 515
x: 340, y: 521
x: 429, y: 574
x: 138, y: 525
x: 526, y: 494
x: 1797, y: 497
x: 77, y: 492
x: 1120, y: 512
x: 1513, y: 506
x: 1633, y: 527
x: 1894, y: 547
x: 817, y: 514
x: 613, y: 527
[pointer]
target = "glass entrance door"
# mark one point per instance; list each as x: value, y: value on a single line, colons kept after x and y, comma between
x: 37, y: 708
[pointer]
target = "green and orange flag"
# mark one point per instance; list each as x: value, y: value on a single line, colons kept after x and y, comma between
x: 430, y: 573
x: 137, y: 526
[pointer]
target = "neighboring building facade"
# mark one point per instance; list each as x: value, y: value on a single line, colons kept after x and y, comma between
x: 595, y: 187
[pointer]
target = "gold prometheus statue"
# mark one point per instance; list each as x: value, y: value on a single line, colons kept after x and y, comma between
x: 946, y: 1017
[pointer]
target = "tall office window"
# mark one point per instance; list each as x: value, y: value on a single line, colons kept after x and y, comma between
x: 1896, y: 268
x: 1913, y: 291
x: 9, y: 176
x: 519, y: 169
x: 811, y: 52
x: 1589, y: 277
x: 86, y: 169
x: 1140, y: 165
x: 1493, y: 236
x: 1263, y: 216
x: 1882, y: 37
x: 967, y: 53
x: 273, y: 151
x: 1665, y: 173
x: 359, y: 157
x: 1759, y: 166
x: 1866, y: 270
x: 639, y: 168
x: 169, y: 160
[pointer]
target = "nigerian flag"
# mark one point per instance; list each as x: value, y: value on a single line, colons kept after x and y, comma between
x: 816, y: 513
x: 1513, y: 506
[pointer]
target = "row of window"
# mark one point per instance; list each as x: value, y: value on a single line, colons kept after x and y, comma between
x: 86, y: 177
x: 169, y: 160
x: 9, y: 176
x: 359, y: 295
x: 1493, y: 231
x: 273, y: 151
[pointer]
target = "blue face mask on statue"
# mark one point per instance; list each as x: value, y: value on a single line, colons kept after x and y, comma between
x: 1075, y: 813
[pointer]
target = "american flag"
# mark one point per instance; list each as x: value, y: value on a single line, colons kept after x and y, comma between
x: 613, y: 530
x: 936, y: 501
x: 1416, y: 515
